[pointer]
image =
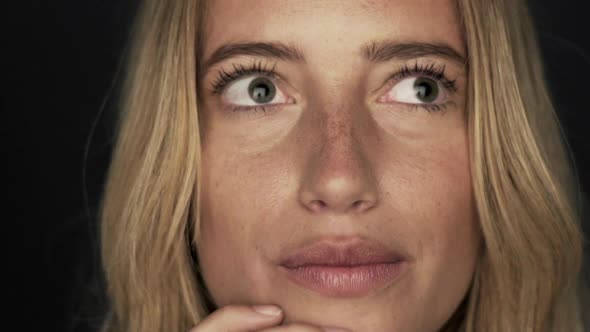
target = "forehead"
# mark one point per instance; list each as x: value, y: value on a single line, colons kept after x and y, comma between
x: 336, y: 24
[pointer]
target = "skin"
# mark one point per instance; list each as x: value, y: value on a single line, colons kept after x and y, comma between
x: 335, y: 161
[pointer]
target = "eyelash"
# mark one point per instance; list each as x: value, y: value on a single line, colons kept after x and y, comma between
x: 224, y: 78
x: 429, y: 70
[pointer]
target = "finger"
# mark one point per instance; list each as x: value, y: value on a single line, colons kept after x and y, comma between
x: 240, y: 318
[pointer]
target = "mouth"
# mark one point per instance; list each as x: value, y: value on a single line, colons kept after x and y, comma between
x: 344, y: 269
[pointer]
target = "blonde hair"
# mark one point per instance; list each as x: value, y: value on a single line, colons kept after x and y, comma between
x: 528, y: 276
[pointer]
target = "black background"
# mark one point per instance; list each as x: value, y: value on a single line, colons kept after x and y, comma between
x: 61, y: 67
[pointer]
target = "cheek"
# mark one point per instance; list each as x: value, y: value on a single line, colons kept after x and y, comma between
x: 235, y: 206
x: 451, y: 234
x: 446, y: 229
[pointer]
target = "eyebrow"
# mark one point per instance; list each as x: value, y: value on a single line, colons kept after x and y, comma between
x: 276, y: 50
x: 375, y: 52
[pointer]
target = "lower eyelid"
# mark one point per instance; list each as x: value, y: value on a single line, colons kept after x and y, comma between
x: 391, y: 85
x: 291, y: 100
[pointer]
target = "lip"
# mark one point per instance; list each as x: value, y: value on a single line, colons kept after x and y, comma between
x: 349, y: 268
x: 350, y: 252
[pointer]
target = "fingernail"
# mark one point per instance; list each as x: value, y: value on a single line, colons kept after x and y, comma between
x: 270, y: 310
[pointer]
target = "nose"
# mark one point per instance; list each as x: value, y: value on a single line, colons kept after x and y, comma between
x: 338, y: 177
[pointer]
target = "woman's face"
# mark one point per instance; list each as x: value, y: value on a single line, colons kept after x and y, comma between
x: 358, y: 138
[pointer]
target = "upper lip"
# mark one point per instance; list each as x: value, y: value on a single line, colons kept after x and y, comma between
x: 351, y: 252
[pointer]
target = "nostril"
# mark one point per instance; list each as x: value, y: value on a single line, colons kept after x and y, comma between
x: 356, y: 206
x: 318, y: 205
x: 361, y: 205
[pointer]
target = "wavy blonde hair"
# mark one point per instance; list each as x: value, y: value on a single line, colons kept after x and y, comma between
x: 528, y: 277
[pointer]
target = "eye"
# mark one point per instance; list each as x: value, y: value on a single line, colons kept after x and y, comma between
x: 416, y: 90
x: 254, y: 91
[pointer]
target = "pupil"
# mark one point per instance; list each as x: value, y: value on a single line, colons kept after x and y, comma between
x: 426, y: 89
x: 261, y: 90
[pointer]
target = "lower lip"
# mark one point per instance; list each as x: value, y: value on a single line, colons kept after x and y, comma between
x: 346, y: 281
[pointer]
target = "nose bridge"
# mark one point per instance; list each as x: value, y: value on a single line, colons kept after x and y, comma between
x: 340, y: 148
x: 339, y: 116
x: 338, y: 175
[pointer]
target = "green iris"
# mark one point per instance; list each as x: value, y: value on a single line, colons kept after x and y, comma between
x: 426, y: 89
x: 262, y: 90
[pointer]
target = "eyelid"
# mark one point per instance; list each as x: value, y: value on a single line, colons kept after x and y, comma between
x: 280, y: 93
x: 240, y: 71
x: 433, y: 71
x: 385, y: 98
